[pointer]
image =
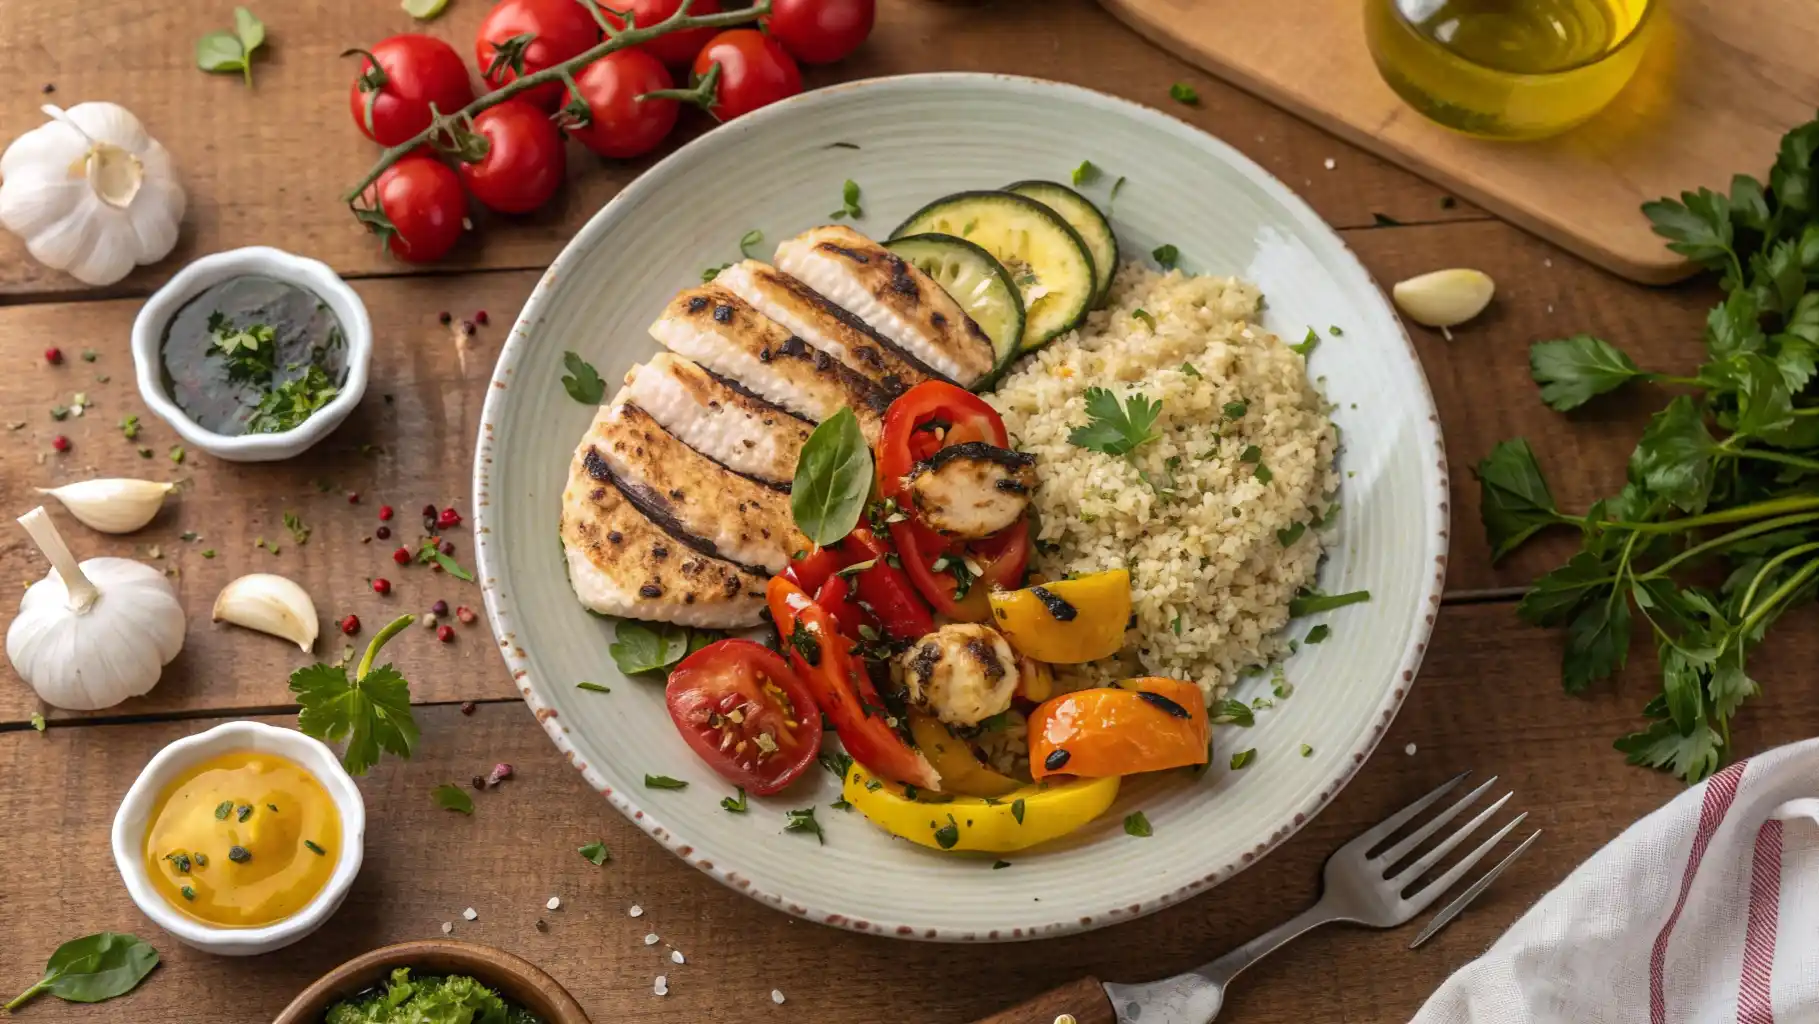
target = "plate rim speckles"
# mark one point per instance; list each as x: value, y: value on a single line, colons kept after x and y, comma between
x: 1415, y: 429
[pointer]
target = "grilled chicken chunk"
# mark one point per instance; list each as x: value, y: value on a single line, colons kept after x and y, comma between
x: 808, y: 315
x: 621, y: 563
x: 745, y: 434
x: 900, y: 302
x: 963, y: 673
x: 698, y: 501
x: 726, y: 335
x: 972, y: 490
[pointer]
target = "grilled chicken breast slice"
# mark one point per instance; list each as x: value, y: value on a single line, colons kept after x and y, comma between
x: 726, y: 335
x: 900, y: 302
x: 697, y: 500
x: 809, y: 315
x: 972, y: 490
x: 741, y: 432
x: 620, y: 563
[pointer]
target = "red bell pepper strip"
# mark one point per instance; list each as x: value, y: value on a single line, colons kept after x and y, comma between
x: 885, y: 588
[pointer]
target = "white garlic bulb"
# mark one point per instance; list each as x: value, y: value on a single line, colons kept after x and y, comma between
x: 91, y: 193
x: 89, y: 636
x: 269, y: 604
x: 112, y: 504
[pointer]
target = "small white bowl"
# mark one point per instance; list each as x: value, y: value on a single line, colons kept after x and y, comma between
x: 205, y: 273
x: 133, y: 820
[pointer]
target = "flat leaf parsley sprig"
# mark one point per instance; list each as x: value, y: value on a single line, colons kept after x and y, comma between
x: 372, y: 711
x: 1729, y: 474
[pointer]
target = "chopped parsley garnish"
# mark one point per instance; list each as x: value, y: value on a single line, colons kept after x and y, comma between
x: 180, y: 861
x: 849, y: 202
x: 1243, y: 757
x: 298, y: 528
x: 1308, y: 344
x: 238, y: 854
x: 595, y: 853
x: 1251, y: 454
x: 1000, y: 865
x: 287, y: 405
x: 707, y: 274
x: 837, y: 763
x: 582, y: 382
x: 1181, y: 92
x: 1233, y: 711
x: 1335, y: 331
x: 1166, y: 256
x: 188, y: 893
x: 1135, y: 824
x: 245, y: 811
x: 806, y: 645
x: 1191, y: 370
x: 129, y: 425
x: 1318, y: 633
x: 431, y: 551
x: 1236, y: 410
x: 804, y: 821
x: 1114, y: 428
x: 749, y: 239
x: 223, y: 809
x: 1308, y: 604
x: 1144, y: 315
x: 38, y: 722
x: 313, y: 848
x: 250, y: 352
x: 1264, y: 474
x: 1017, y: 810
x: 1307, y: 751
x: 592, y: 687
x: 1087, y: 173
x: 841, y: 804
x: 948, y: 835
x: 1291, y: 533
x: 873, y: 785
x: 734, y: 804
x: 663, y: 782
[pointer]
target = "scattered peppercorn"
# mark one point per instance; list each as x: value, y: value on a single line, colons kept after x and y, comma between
x: 447, y: 518
x: 467, y: 707
x: 48, y: 89
x: 350, y: 625
x: 444, y: 317
x: 353, y: 497
x: 479, y: 780
x: 465, y: 614
x: 383, y: 533
x: 429, y: 510
x: 439, y: 609
x: 467, y: 328
x: 385, y: 513
x: 446, y: 634
x: 382, y: 586
x: 480, y: 318
x: 53, y: 356
x: 448, y: 547
x: 402, y: 556
x: 60, y: 443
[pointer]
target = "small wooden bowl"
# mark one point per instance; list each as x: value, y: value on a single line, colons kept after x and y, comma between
x: 512, y: 977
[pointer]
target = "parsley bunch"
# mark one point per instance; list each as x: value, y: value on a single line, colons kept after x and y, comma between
x: 372, y: 711
x: 1725, y: 477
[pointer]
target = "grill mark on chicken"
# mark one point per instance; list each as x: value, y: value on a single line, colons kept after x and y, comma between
x: 841, y: 250
x: 756, y: 397
x: 828, y: 308
x: 658, y: 510
x: 982, y: 652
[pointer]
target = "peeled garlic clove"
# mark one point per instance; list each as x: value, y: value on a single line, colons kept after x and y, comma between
x: 112, y: 504
x: 1445, y: 298
x: 269, y: 604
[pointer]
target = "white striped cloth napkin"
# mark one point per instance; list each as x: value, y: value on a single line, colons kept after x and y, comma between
x: 1705, y: 911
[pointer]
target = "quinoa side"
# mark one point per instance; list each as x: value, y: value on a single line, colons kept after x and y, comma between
x: 1203, y: 536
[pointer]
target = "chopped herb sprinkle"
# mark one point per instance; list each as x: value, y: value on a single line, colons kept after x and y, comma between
x: 223, y: 809
x: 238, y: 854
x: 1243, y: 757
x: 313, y: 848
x: 1135, y: 824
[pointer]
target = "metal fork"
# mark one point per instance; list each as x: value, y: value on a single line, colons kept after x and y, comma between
x: 1358, y: 888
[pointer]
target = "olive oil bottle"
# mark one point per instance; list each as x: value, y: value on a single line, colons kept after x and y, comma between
x: 1515, y: 69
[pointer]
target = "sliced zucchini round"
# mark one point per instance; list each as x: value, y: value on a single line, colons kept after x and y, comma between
x: 1049, y: 264
x: 1086, y: 220
x: 978, y: 282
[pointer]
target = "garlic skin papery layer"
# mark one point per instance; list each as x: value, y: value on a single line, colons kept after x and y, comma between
x: 112, y: 504
x: 270, y: 604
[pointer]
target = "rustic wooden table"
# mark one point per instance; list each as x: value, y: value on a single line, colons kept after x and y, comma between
x: 265, y: 165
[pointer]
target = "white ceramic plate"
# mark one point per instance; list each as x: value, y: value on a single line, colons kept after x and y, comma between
x: 918, y: 137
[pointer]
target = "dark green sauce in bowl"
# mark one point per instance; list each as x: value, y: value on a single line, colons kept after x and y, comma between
x: 253, y: 355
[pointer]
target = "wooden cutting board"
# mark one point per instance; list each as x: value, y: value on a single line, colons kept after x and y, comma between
x: 1723, y: 79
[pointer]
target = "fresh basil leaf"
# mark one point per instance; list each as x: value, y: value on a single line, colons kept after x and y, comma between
x: 833, y: 479
x: 582, y: 382
x: 1573, y: 370
x: 451, y: 797
x: 1514, y: 500
x: 639, y: 647
x: 1674, y: 457
x: 92, y: 969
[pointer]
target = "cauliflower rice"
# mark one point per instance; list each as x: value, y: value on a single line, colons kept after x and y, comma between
x: 1211, y: 578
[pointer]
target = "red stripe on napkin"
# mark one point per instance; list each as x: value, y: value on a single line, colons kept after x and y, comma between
x: 1753, y: 1003
x: 1720, y: 790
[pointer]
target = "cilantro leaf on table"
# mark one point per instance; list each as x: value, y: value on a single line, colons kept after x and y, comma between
x: 1674, y: 456
x: 1114, y: 428
x: 582, y: 382
x: 1571, y: 371
x: 1514, y: 497
x: 451, y: 797
x: 371, y: 710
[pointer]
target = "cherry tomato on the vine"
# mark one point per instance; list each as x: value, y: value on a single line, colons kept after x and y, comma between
x: 755, y: 71
x: 619, y: 124
x: 675, y: 49
x: 422, y: 206
x: 821, y: 31
x: 525, y: 160
x: 520, y: 37
x: 391, y: 102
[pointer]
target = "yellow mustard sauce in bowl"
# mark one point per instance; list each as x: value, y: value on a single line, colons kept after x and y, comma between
x: 242, y: 839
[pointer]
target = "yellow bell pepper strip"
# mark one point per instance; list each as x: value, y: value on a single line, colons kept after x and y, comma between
x: 961, y: 772
x: 1140, y: 725
x: 1016, y: 821
x: 1035, y: 680
x: 1066, y: 622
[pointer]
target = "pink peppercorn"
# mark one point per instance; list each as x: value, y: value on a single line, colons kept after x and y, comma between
x: 350, y: 625
x: 480, y: 318
x: 402, y: 556
x: 429, y: 510
x: 467, y: 707
x: 383, y: 533
x: 448, y: 547
x: 439, y: 609
x: 353, y: 497
x: 382, y: 586
x: 446, y: 634
x: 60, y: 443
x: 448, y: 517
x: 385, y: 513
x: 53, y: 356
x: 465, y: 614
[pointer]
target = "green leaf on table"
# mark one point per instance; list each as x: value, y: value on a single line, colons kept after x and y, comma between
x: 595, y: 853
x: 1183, y: 93
x: 423, y: 10
x: 220, y: 52
x: 1691, y: 756
x: 1697, y: 226
x: 1777, y: 277
x: 1749, y: 206
x: 1573, y: 370
x: 1683, y: 683
x: 1597, y: 643
x: 92, y: 969
x: 1114, y: 428
x: 640, y: 647
x: 1734, y: 326
x: 250, y: 30
x: 451, y: 797
x: 372, y: 713
x: 1730, y: 685
x: 833, y: 479
x: 1556, y: 596
x: 1515, y: 502
x: 1674, y: 457
x: 1791, y: 179
x: 582, y: 382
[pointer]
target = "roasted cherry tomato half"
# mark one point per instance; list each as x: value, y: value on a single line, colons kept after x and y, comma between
x: 1140, y: 725
x: 520, y: 37
x: 525, y: 160
x: 1066, y: 622
x: 423, y: 207
x: 619, y: 124
x: 399, y: 79
x: 744, y: 712
x: 821, y: 31
x: 926, y: 419
x: 755, y: 71
x: 841, y: 687
x: 675, y: 49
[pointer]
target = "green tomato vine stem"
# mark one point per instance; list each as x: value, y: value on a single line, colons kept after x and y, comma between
x: 446, y: 124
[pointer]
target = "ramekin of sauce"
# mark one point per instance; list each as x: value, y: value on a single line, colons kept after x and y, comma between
x: 241, y: 839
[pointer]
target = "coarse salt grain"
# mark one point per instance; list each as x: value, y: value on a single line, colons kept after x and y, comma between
x: 470, y: 914
x: 1409, y: 750
x: 636, y: 911
x: 675, y: 956
x: 554, y: 902
x: 662, y: 986
x: 448, y: 927
x: 1331, y: 163
x: 777, y: 996
x: 651, y: 939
